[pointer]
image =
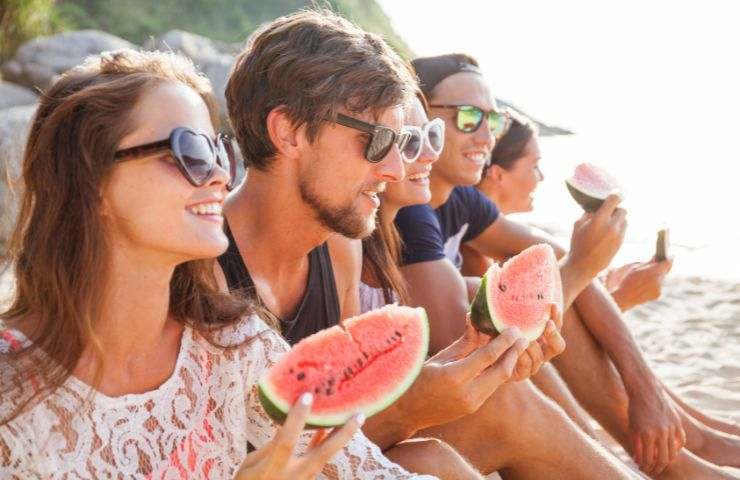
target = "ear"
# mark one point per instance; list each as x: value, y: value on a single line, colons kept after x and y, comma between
x: 495, y: 174
x: 282, y: 131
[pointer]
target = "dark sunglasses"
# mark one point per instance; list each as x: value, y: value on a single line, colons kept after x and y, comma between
x: 196, y: 154
x: 381, y: 140
x: 469, y: 117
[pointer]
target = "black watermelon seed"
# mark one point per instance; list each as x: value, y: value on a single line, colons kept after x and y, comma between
x: 366, y: 355
x: 301, y: 376
x: 316, y: 390
x: 502, y: 287
x: 329, y: 392
x: 398, y: 334
x: 330, y: 381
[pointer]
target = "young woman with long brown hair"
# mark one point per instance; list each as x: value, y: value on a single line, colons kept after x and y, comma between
x: 382, y: 282
x: 119, y: 356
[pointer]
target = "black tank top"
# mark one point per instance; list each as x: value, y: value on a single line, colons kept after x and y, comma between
x: 319, y: 308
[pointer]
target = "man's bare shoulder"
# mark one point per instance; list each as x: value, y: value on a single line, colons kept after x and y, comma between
x: 346, y: 255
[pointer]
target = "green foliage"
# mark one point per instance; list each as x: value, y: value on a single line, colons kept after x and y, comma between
x: 22, y: 20
x: 228, y: 21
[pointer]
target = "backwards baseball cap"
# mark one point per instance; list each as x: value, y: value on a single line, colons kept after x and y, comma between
x: 432, y: 70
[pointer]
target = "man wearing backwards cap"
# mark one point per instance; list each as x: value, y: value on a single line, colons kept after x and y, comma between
x: 629, y: 401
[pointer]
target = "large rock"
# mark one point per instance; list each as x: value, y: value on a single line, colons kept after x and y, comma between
x: 14, y: 125
x: 213, y: 58
x: 38, y: 62
x: 13, y: 95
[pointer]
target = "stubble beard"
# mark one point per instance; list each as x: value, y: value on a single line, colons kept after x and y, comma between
x: 343, y: 220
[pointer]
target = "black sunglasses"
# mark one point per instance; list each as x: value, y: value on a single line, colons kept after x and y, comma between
x: 195, y: 154
x: 381, y: 140
x: 468, y: 119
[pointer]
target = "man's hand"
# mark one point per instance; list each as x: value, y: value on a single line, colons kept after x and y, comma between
x: 550, y: 344
x: 636, y: 283
x: 597, y: 237
x: 657, y: 434
x: 457, y: 380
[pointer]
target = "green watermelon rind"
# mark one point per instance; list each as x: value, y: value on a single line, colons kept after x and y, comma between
x: 277, y: 408
x: 589, y: 201
x: 482, y: 307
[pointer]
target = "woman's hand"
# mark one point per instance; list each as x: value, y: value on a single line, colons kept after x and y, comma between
x: 276, y: 460
x: 636, y: 283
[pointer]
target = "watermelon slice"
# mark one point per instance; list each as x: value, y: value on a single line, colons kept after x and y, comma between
x: 519, y: 294
x: 590, y: 185
x: 363, y: 365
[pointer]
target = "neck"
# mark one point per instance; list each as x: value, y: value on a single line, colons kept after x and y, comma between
x: 135, y: 309
x: 441, y: 190
x: 493, y: 194
x: 388, y: 212
x: 281, y: 229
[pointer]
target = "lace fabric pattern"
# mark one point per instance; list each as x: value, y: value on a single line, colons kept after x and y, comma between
x: 195, y: 425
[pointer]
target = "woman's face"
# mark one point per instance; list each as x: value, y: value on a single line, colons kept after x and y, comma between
x: 518, y: 184
x: 148, y: 205
x: 414, y: 188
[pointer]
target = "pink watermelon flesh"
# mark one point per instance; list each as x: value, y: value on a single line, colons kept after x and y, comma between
x: 364, y: 366
x: 590, y: 185
x: 520, y: 293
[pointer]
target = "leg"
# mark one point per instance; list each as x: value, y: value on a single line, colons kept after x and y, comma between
x: 596, y: 384
x: 549, y: 382
x: 430, y: 456
x: 721, y: 425
x: 526, y: 436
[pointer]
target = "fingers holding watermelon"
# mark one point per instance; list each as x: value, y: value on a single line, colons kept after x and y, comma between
x: 456, y: 381
x: 597, y: 237
x: 277, y: 459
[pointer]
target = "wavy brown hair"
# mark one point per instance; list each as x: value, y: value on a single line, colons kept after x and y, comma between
x: 312, y: 63
x: 59, y: 250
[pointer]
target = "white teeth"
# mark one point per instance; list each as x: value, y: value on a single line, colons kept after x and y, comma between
x: 418, y: 176
x: 370, y: 193
x: 206, y: 209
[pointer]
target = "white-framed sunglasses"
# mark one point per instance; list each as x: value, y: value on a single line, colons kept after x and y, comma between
x: 431, y: 134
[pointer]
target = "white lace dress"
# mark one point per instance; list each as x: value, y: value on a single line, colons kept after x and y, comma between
x: 195, y: 425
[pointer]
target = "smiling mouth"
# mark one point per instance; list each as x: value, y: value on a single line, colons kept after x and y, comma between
x: 213, y: 208
x: 418, y: 176
x: 478, y: 158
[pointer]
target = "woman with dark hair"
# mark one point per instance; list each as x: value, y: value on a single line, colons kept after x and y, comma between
x: 119, y: 355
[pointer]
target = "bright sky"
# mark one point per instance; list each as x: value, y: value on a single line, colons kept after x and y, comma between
x: 652, y: 88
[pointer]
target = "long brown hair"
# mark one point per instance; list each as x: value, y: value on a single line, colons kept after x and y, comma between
x: 58, y: 250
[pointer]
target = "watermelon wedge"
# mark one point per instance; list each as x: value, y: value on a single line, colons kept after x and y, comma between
x: 519, y: 294
x: 590, y: 185
x: 363, y: 365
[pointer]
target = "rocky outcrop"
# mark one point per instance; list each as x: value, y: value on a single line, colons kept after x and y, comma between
x: 14, y: 124
x: 39, y: 62
x: 213, y: 58
x: 14, y: 95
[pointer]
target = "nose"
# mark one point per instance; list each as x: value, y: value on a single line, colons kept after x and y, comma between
x: 427, y: 155
x: 483, y: 136
x: 220, y: 176
x: 540, y: 175
x: 391, y: 168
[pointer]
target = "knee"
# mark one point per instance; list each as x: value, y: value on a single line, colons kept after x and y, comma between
x: 432, y: 456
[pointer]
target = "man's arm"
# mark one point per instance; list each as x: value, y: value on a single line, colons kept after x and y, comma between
x: 441, y: 290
